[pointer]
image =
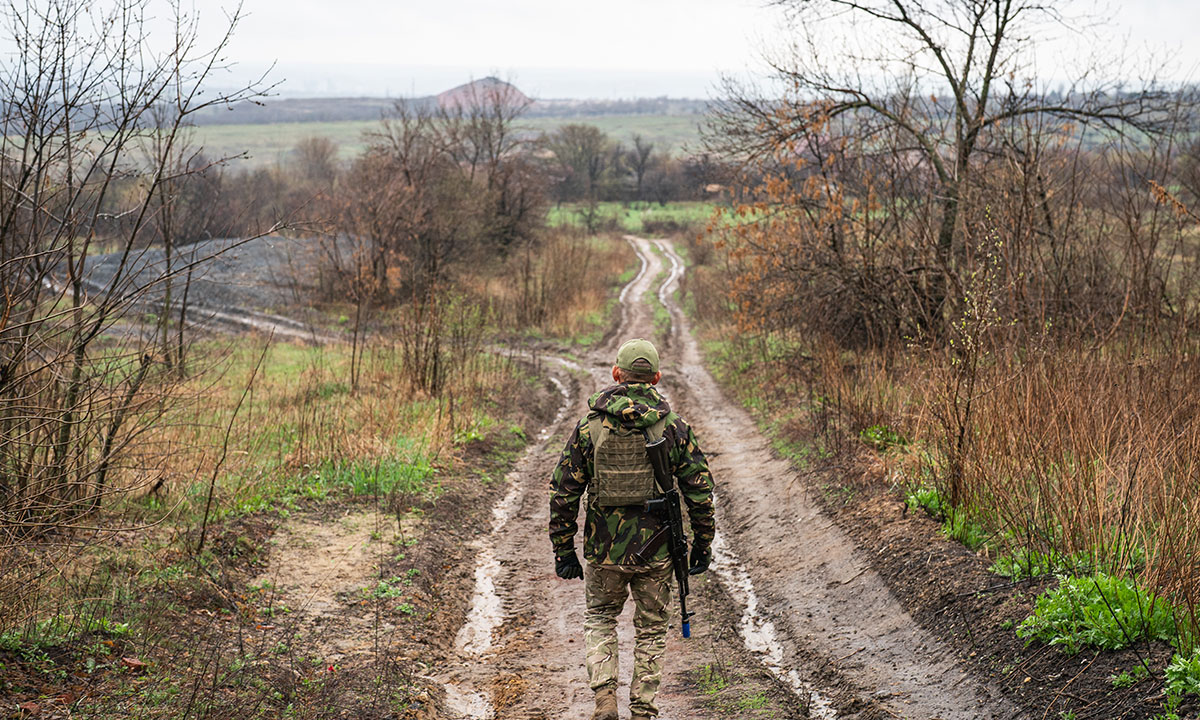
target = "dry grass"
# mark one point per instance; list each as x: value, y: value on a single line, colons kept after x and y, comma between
x: 260, y: 427
x: 300, y: 420
x: 561, y: 288
x: 1083, y: 450
x: 1087, y: 453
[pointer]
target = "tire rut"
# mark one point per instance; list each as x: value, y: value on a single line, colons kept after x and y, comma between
x: 533, y: 619
x: 818, y: 603
x: 805, y: 605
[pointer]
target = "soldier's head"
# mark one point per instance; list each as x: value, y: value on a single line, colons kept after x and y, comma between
x: 637, y: 361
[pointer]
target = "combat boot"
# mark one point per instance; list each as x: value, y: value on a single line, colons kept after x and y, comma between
x: 606, y: 704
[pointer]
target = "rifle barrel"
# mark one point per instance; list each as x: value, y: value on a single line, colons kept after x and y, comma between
x: 677, y: 541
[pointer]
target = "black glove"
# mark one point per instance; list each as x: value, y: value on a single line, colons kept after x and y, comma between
x: 567, y: 567
x: 701, y: 557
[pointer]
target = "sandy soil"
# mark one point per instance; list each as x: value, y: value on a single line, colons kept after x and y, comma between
x: 320, y: 570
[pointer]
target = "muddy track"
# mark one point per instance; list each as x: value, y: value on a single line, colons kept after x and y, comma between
x: 232, y: 278
x: 816, y: 594
x: 805, y: 605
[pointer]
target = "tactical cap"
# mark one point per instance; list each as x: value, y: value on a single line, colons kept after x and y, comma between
x: 638, y: 355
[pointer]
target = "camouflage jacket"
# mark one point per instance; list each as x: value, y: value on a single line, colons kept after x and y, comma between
x: 628, y: 535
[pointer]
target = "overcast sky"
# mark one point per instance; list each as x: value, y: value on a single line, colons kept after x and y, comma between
x: 571, y: 48
x: 553, y: 48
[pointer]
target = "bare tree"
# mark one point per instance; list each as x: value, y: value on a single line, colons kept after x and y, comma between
x: 583, y: 154
x: 944, y: 82
x: 91, y: 119
x: 438, y: 187
x: 639, y: 161
x: 479, y: 131
x: 316, y: 159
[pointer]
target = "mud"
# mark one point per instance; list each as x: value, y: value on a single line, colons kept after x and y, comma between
x: 808, y: 609
x: 826, y: 603
x: 791, y: 614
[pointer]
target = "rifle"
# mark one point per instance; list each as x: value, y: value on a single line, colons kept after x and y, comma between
x: 667, y: 507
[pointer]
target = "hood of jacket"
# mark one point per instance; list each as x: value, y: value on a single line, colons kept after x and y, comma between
x: 633, y: 405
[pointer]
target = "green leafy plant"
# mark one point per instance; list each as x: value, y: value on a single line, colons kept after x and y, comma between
x: 882, y: 437
x: 711, y: 680
x: 1183, y: 675
x: 1127, y: 679
x: 1027, y: 563
x: 960, y: 527
x: 957, y: 523
x: 387, y: 589
x: 1097, y: 611
x: 927, y: 498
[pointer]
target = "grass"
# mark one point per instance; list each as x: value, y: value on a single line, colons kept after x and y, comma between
x: 659, y: 313
x: 566, y: 292
x: 301, y: 437
x: 302, y: 434
x: 957, y: 524
x: 637, y: 218
x: 711, y: 680
x: 123, y: 615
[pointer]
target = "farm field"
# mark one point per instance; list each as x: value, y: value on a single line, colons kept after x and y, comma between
x: 270, y: 144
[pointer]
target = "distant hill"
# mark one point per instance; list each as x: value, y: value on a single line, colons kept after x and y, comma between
x: 305, y: 110
x: 476, y: 90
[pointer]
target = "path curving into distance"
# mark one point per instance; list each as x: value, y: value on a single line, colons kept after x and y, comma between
x: 806, y: 607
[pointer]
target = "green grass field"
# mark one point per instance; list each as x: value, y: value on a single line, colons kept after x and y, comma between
x: 633, y: 217
x: 269, y: 144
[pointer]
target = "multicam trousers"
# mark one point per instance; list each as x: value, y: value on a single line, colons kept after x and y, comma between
x: 606, y: 587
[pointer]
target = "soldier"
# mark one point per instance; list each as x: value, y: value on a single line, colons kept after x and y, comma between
x: 624, y: 545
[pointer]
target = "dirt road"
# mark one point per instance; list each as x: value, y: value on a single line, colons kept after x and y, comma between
x: 804, y: 604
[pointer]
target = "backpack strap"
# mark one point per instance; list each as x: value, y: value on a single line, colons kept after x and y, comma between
x: 599, y: 432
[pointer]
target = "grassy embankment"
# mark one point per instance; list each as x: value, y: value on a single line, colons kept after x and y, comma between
x: 159, y: 615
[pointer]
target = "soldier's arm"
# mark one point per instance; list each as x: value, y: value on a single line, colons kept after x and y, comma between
x: 695, y: 483
x: 566, y: 488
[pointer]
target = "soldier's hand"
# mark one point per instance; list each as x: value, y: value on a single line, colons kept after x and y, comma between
x: 567, y: 567
x: 701, y: 557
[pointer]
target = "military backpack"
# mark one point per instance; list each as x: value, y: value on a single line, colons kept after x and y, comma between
x: 623, y: 475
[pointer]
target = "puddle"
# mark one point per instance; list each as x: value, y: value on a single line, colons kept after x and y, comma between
x: 562, y: 409
x: 486, y: 614
x: 487, y: 611
x: 758, y: 632
x: 468, y: 704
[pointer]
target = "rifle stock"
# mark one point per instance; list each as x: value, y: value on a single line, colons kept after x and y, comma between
x: 668, y: 508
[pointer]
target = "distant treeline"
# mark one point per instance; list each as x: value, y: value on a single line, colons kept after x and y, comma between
x: 300, y: 110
